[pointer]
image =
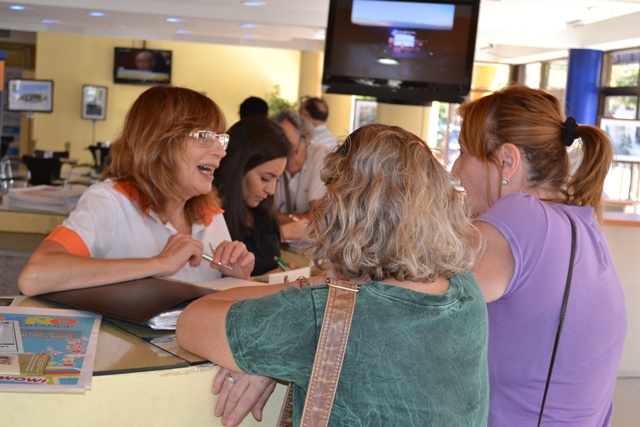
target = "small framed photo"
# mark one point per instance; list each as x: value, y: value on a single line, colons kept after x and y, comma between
x: 625, y: 135
x: 30, y: 95
x: 364, y: 112
x: 94, y: 102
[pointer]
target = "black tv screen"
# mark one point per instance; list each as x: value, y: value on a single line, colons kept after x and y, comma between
x: 406, y: 52
x: 141, y: 66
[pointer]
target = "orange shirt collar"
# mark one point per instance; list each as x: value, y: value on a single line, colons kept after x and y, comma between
x: 132, y: 193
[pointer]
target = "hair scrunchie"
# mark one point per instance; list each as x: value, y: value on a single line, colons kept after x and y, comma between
x: 569, y: 131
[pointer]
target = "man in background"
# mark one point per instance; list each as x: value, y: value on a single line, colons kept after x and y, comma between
x: 300, y: 185
x: 317, y: 111
x: 254, y: 106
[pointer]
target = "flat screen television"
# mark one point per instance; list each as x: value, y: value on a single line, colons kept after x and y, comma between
x: 141, y: 66
x: 404, y: 52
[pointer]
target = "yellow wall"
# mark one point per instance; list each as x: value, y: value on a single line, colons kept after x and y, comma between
x: 227, y: 74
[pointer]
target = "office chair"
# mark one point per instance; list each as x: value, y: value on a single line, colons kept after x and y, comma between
x: 42, y: 171
x: 100, y: 155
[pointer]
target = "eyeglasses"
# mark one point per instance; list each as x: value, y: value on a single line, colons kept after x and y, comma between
x: 206, y: 138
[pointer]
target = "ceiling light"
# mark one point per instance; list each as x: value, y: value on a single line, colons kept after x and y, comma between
x: 253, y: 3
x: 48, y: 21
x: 17, y: 7
x: 248, y: 25
x: 182, y: 31
x: 173, y: 20
x: 248, y: 36
x: 96, y: 14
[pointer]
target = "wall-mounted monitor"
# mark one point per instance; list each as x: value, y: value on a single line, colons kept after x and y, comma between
x: 406, y: 52
x: 32, y: 96
x: 141, y: 66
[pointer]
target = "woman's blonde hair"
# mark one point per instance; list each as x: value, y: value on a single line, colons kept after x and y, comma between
x: 153, y: 141
x: 534, y: 121
x: 390, y: 211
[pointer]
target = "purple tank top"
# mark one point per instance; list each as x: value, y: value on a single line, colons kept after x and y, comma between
x: 524, y: 321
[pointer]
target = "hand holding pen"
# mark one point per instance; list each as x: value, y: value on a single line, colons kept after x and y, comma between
x: 232, y: 259
x: 210, y: 258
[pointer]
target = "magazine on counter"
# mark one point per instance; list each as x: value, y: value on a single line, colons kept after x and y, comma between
x: 47, y: 349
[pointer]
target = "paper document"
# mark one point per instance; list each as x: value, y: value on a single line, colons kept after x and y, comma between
x: 44, y: 198
x: 10, y: 337
x: 225, y: 283
x: 167, y: 320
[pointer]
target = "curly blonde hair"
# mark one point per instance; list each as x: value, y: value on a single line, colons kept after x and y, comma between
x: 390, y: 211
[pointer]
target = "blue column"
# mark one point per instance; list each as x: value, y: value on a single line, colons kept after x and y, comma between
x: 583, y: 81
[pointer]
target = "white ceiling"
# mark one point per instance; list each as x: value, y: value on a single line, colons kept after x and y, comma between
x: 509, y: 31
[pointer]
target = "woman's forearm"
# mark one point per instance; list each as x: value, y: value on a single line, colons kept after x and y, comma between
x: 63, y: 271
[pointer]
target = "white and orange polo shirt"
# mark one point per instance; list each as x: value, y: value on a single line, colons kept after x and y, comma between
x: 107, y: 223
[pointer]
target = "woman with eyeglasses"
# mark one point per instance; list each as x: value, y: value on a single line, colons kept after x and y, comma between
x: 246, y: 181
x: 154, y: 213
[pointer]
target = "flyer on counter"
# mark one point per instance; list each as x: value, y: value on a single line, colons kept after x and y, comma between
x: 56, y: 349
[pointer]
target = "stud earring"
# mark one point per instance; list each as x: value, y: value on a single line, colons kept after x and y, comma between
x: 504, y: 181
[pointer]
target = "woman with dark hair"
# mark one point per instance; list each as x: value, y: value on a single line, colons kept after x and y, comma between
x: 246, y: 181
x: 155, y: 213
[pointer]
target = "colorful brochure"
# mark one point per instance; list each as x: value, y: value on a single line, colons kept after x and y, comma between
x: 55, y: 349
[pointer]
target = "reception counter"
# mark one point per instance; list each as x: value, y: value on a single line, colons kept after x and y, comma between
x: 22, y: 230
x: 141, y: 378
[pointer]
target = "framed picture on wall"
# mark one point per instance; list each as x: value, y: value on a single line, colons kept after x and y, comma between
x: 625, y: 135
x: 30, y: 95
x: 94, y: 102
x: 364, y: 112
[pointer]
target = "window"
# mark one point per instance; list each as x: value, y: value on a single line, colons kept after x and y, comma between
x: 550, y: 76
x: 487, y: 78
x: 620, y: 88
x: 619, y: 94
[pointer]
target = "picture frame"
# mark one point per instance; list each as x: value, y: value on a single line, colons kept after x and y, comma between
x: 94, y: 102
x: 625, y: 136
x: 30, y: 95
x: 364, y: 112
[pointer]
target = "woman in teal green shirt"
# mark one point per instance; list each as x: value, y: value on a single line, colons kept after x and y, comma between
x: 417, y: 352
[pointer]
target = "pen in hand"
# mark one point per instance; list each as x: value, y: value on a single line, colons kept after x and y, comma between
x: 210, y: 258
x: 283, y: 265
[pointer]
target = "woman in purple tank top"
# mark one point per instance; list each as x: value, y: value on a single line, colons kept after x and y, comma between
x: 515, y: 167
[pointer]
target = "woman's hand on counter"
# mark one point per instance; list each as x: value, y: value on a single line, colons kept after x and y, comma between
x: 248, y: 393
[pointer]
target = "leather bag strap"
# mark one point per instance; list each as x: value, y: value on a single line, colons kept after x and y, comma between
x: 565, y: 300
x: 332, y: 344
